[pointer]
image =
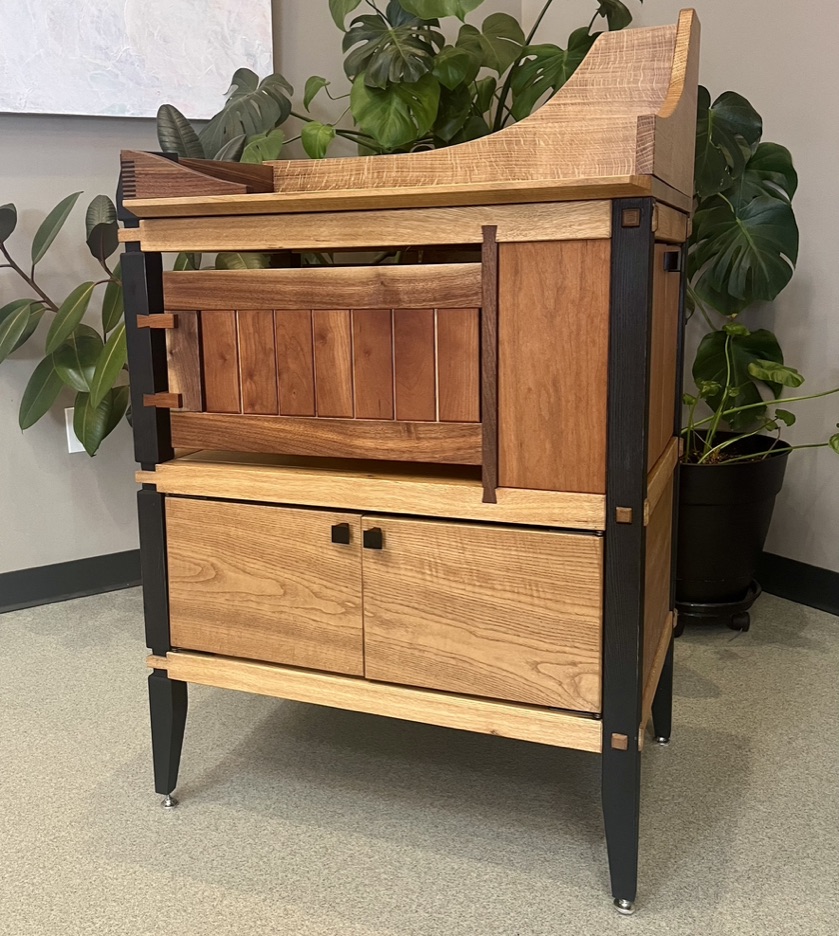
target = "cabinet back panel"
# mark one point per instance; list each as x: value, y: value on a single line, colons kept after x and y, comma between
x: 663, y: 353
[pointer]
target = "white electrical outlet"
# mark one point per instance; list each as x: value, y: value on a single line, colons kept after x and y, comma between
x: 73, y: 444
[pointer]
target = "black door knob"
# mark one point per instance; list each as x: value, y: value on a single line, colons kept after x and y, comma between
x: 374, y: 539
x: 341, y: 534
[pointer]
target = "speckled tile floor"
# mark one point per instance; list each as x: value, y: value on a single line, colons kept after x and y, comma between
x: 307, y: 821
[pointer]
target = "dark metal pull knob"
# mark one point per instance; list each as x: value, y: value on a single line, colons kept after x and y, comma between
x: 374, y: 539
x: 341, y: 534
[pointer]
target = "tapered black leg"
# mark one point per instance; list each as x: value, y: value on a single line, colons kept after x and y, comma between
x: 168, y: 704
x: 663, y: 701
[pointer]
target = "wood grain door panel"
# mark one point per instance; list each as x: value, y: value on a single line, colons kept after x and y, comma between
x: 265, y: 583
x: 497, y: 612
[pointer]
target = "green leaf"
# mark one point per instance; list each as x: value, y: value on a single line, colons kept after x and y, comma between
x: 506, y: 38
x: 249, y: 110
x: 769, y: 171
x: 454, y: 67
x: 399, y: 115
x: 474, y: 128
x: 51, y: 225
x: 386, y: 54
x: 688, y: 399
x: 772, y: 372
x: 232, y: 150
x: 113, y: 302
x: 749, y: 254
x: 69, y: 315
x: 710, y: 365
x: 90, y: 422
x: 316, y: 138
x: 340, y: 9
x: 242, y: 261
x: 833, y: 442
x: 40, y: 393
x: 14, y: 320
x: 244, y: 81
x: 109, y: 365
x: 187, y: 261
x: 735, y: 328
x: 35, y: 315
x: 432, y: 9
x: 8, y: 221
x: 486, y: 93
x: 708, y: 388
x: 722, y: 129
x: 615, y: 13
x: 546, y: 69
x: 455, y: 109
x: 314, y: 86
x: 119, y: 406
x: 786, y: 417
x: 102, y: 228
x: 177, y: 135
x: 264, y: 146
x: 75, y: 361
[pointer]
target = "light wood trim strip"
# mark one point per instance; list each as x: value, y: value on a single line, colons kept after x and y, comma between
x: 146, y: 477
x: 504, y: 719
x: 130, y: 235
x: 374, y: 488
x: 655, y: 671
x: 660, y: 477
x: 670, y: 225
x: 365, y: 229
x: 437, y: 285
x: 449, y: 443
x: 157, y: 662
x: 489, y: 364
x: 162, y: 400
x: 166, y: 320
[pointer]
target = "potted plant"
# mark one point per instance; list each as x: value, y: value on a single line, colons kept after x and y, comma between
x: 743, y: 251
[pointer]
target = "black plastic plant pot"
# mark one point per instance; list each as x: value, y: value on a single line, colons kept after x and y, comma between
x: 724, y: 516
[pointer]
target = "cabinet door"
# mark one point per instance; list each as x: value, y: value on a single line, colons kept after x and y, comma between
x: 266, y: 583
x: 498, y: 612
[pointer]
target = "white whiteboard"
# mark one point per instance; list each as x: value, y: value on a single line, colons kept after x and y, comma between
x: 124, y: 58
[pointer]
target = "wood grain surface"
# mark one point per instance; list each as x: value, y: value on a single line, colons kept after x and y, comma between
x: 183, y: 349
x: 373, y: 363
x: 258, y: 362
x: 487, y: 611
x: 332, y: 332
x: 414, y: 365
x: 664, y: 354
x: 553, y: 314
x: 264, y: 583
x: 657, y: 576
x: 296, y: 363
x: 220, y: 354
x: 459, y: 365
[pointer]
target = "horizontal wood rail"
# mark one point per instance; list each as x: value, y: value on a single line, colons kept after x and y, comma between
x: 660, y: 477
x: 505, y: 719
x: 163, y: 400
x: 166, y: 321
x: 438, y: 285
x: 448, y: 443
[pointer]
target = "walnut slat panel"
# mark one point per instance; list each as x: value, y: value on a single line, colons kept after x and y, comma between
x: 258, y: 362
x: 435, y: 284
x: 446, y: 443
x: 296, y: 363
x: 220, y: 354
x: 373, y: 363
x: 657, y: 577
x: 414, y: 353
x: 459, y: 365
x: 333, y: 363
x: 488, y: 611
x: 663, y: 354
x: 183, y: 348
x: 554, y: 314
x: 265, y: 583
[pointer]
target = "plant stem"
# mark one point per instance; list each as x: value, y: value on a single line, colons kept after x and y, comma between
x: 749, y: 406
x: 792, y: 448
x: 718, y: 448
x: 29, y: 280
x: 717, y: 417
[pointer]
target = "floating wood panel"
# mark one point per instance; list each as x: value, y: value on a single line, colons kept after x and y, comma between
x: 296, y: 363
x: 458, y: 365
x: 333, y: 363
x: 183, y: 346
x: 486, y: 611
x: 391, y: 287
x: 258, y: 362
x: 373, y: 363
x: 264, y: 583
x: 220, y: 354
x: 554, y: 314
x: 414, y: 365
x: 448, y: 443
x: 663, y: 354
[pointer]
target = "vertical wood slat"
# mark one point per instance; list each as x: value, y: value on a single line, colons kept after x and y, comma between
x: 258, y: 362
x: 458, y: 365
x: 183, y: 347
x: 664, y: 353
x: 295, y: 362
x: 333, y: 363
x: 373, y: 363
x: 489, y: 365
x: 414, y: 364
x: 221, y: 362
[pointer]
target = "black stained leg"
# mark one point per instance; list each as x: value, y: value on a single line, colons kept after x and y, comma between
x: 168, y: 705
x: 663, y: 701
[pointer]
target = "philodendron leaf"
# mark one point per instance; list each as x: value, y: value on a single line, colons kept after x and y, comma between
x: 786, y: 417
x: 432, y: 9
x: 102, y: 228
x: 263, y: 147
x: 772, y: 372
x: 242, y: 261
x: 90, y: 422
x: 314, y: 86
x: 113, y: 302
x: 69, y: 315
x: 75, y: 361
x: 390, y: 54
x: 177, y: 135
x: 40, y: 393
x: 316, y: 138
x: 615, y: 13
x: 109, y: 365
x: 8, y: 221
x: 232, y: 150
x: 14, y: 320
x: 51, y: 225
x: 398, y: 115
x: 546, y: 69
x: 340, y: 9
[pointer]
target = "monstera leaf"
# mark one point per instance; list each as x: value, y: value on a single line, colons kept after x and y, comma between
x: 546, y: 69
x: 340, y: 9
x: 431, y: 9
x: 398, y: 115
x: 743, y: 255
x: 615, y: 13
x: 725, y: 133
x: 769, y: 171
x: 497, y: 44
x: 390, y: 53
x: 455, y: 67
